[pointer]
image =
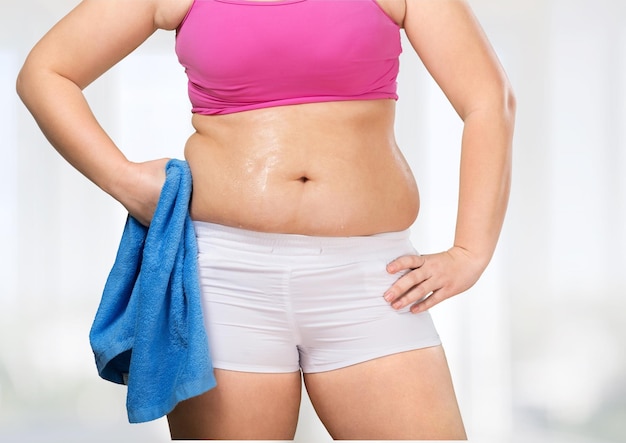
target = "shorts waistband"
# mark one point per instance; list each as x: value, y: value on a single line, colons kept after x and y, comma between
x: 298, y: 243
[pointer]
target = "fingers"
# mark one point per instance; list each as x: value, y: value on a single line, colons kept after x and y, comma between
x: 430, y: 279
x: 428, y: 302
x: 412, y: 287
x: 422, y: 286
x: 406, y: 262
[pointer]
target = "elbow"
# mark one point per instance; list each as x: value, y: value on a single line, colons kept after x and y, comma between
x: 21, y: 84
x: 25, y: 82
x: 494, y: 101
x: 501, y: 100
x: 509, y: 103
x: 500, y: 105
x: 29, y: 80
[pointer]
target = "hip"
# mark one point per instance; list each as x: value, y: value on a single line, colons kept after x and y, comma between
x: 277, y: 302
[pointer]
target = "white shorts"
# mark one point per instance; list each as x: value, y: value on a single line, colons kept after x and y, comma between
x: 283, y: 302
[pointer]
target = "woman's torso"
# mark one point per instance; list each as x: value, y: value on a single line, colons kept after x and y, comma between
x: 328, y: 168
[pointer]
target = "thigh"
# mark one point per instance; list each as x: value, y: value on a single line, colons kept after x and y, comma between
x: 408, y: 395
x: 243, y: 406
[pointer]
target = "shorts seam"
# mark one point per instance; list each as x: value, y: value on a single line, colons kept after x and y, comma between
x: 255, y: 368
x: 423, y: 344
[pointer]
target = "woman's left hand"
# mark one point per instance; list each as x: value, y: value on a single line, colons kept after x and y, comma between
x: 432, y: 278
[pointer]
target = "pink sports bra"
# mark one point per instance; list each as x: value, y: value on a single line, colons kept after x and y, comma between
x: 249, y: 54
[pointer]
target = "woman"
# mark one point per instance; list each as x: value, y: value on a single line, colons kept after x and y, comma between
x: 301, y: 199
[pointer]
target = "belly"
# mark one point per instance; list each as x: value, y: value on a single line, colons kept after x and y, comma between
x: 330, y: 169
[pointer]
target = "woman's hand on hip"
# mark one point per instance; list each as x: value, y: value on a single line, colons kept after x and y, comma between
x: 139, y: 188
x: 431, y: 279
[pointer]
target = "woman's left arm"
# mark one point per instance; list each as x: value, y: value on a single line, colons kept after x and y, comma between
x: 454, y: 49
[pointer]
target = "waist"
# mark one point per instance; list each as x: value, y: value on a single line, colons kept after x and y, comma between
x: 327, y: 169
x: 210, y: 236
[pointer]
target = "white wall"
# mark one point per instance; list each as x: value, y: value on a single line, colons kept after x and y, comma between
x: 536, y: 348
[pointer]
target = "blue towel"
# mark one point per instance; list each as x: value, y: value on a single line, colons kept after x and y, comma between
x: 148, y: 331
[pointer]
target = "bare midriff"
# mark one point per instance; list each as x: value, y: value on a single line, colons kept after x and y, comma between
x: 326, y: 169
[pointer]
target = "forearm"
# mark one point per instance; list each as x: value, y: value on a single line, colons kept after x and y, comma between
x: 62, y: 113
x: 485, y: 178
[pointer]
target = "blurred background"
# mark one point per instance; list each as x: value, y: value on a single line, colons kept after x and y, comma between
x: 536, y: 348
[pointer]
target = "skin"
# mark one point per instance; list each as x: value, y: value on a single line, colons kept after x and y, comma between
x: 304, y: 180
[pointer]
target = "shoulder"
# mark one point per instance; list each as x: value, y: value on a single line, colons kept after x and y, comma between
x: 170, y: 13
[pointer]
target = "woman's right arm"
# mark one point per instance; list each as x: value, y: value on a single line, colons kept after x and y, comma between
x: 82, y: 46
